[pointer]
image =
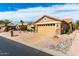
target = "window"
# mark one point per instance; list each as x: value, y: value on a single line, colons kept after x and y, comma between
x: 47, y: 25
x: 57, y: 25
x: 50, y: 24
x: 43, y: 25
x: 53, y: 24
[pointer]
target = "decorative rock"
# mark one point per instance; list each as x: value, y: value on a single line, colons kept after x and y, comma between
x: 63, y: 46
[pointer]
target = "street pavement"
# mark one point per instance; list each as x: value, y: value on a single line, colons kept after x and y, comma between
x: 12, y: 48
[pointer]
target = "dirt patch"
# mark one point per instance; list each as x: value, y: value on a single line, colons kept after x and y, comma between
x: 68, y: 44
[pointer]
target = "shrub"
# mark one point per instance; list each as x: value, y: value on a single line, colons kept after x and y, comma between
x: 23, y: 28
x: 69, y: 31
x: 30, y: 28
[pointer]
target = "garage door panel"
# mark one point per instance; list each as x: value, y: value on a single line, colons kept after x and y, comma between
x: 46, y: 29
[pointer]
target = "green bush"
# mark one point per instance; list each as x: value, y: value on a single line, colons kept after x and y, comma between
x: 23, y: 28
x: 69, y: 31
x: 30, y: 28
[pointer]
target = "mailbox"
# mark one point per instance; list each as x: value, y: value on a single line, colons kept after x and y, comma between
x: 11, y: 32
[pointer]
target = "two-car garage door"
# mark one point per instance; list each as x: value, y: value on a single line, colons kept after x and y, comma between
x: 46, y: 28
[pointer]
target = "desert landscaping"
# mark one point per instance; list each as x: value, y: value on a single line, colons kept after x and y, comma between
x: 39, y: 29
x: 66, y: 44
x: 47, y: 34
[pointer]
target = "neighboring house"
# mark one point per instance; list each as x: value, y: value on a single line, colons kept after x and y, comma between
x: 20, y: 25
x: 25, y: 24
x: 9, y: 26
x: 2, y: 27
x: 51, y: 25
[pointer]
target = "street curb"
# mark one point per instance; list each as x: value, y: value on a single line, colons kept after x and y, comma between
x: 51, y: 52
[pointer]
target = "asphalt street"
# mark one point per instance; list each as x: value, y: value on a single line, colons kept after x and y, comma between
x: 12, y: 48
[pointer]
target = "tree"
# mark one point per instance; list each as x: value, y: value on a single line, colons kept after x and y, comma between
x: 6, y: 22
x: 77, y: 24
x: 73, y: 26
x: 2, y: 22
x: 22, y: 27
x: 21, y: 21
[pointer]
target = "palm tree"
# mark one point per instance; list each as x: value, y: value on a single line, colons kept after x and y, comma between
x: 21, y: 21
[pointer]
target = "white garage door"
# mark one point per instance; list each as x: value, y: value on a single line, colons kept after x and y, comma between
x: 46, y: 28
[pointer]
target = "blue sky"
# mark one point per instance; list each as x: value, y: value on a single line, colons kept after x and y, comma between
x: 16, y: 6
x: 33, y: 11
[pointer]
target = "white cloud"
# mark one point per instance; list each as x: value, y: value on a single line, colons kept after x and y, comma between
x: 60, y: 11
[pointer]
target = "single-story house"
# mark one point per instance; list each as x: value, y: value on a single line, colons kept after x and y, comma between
x: 9, y: 27
x: 51, y: 25
x: 19, y: 25
x: 2, y: 27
